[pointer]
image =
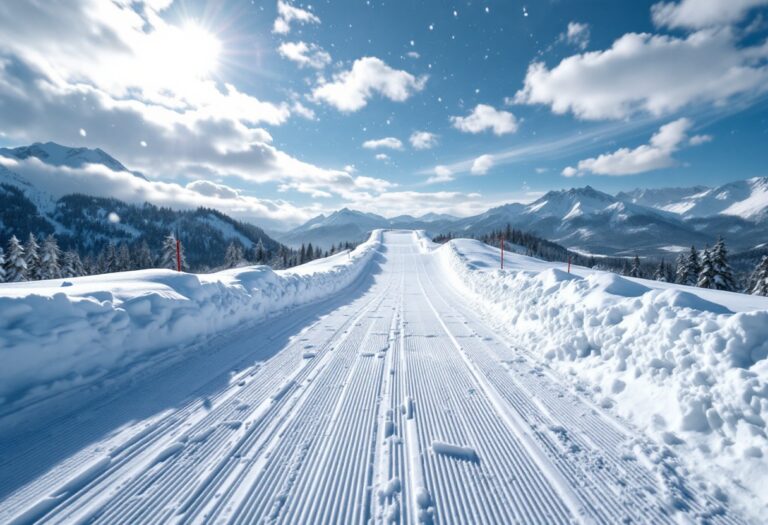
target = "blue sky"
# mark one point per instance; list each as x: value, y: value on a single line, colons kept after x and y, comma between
x: 276, y: 111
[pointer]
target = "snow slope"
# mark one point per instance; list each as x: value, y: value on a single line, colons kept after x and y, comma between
x: 687, y: 366
x: 61, y: 333
x: 391, y: 401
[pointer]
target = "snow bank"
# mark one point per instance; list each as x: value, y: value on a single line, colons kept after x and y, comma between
x: 59, y: 333
x: 686, y: 365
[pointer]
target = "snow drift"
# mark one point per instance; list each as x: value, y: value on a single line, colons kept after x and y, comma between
x: 688, y: 366
x: 59, y: 333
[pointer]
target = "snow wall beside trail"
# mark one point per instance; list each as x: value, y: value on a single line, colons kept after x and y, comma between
x: 64, y: 332
x: 689, y: 367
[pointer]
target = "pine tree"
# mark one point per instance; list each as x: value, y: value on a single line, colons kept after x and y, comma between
x: 759, y: 280
x: 707, y: 273
x: 123, y: 261
x: 681, y: 269
x: 723, y: 279
x: 635, y: 271
x: 234, y: 255
x: 32, y: 258
x: 168, y: 255
x: 50, y: 259
x: 259, y: 251
x: 91, y: 266
x: 72, y: 265
x: 689, y: 272
x: 303, y: 254
x: 2, y: 265
x: 625, y: 267
x: 310, y: 253
x: 108, y: 259
x: 15, y: 262
x: 142, y: 258
x: 661, y: 272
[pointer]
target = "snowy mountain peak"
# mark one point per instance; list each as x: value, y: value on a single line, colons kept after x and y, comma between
x: 58, y: 155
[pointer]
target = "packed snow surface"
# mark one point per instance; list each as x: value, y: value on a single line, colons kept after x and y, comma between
x: 57, y: 333
x: 686, y: 365
x: 402, y: 383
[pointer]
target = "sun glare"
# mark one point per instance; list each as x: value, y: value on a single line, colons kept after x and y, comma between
x: 185, y: 53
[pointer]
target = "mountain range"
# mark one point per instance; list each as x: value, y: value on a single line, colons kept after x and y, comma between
x: 87, y: 223
x: 643, y: 221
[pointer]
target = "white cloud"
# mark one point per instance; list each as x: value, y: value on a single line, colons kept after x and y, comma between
x: 196, y: 127
x: 309, y: 55
x: 386, y: 142
x: 697, y: 14
x: 423, y: 140
x: 578, y: 35
x: 700, y: 139
x: 287, y: 13
x: 382, y: 157
x: 211, y: 189
x: 485, y: 117
x: 648, y: 73
x: 442, y: 174
x: 98, y: 180
x: 350, y: 90
x: 302, y: 110
x: 395, y: 203
x: 648, y: 157
x: 481, y: 165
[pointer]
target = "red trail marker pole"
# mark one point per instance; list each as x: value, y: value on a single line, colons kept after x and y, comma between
x: 178, y: 255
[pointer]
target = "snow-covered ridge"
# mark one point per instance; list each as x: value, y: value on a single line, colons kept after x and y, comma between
x: 688, y: 366
x: 60, y: 333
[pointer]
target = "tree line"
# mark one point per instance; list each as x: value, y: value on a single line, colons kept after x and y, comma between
x: 41, y: 258
x: 706, y: 269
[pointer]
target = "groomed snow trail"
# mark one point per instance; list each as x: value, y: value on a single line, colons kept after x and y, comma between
x: 392, y: 402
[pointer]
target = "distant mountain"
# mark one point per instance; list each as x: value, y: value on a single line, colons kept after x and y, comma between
x: 354, y: 226
x: 58, y: 155
x: 659, y: 197
x: 591, y: 221
x: 86, y: 223
x: 744, y: 199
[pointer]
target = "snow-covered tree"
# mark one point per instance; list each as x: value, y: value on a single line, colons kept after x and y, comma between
x: 681, y: 272
x: 168, y: 254
x: 2, y: 265
x: 15, y: 262
x: 661, y: 273
x: 142, y: 258
x: 707, y: 273
x: 32, y: 258
x: 723, y: 279
x: 123, y: 261
x: 688, y: 268
x: 50, y: 259
x: 234, y: 255
x: 635, y: 270
x: 72, y: 266
x: 107, y: 261
x: 759, y: 279
x: 625, y: 268
x: 259, y: 252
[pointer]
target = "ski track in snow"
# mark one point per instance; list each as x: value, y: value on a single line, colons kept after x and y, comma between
x: 393, y: 402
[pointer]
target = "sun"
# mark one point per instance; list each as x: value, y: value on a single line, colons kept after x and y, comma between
x: 184, y: 53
